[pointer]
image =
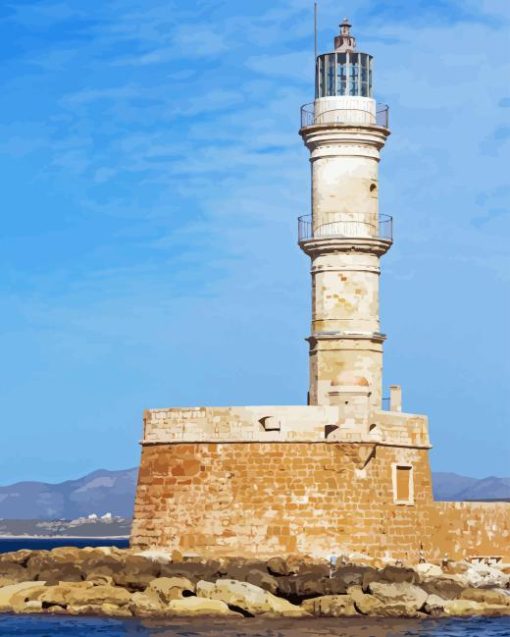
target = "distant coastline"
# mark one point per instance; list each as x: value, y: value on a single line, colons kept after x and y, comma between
x: 64, y: 537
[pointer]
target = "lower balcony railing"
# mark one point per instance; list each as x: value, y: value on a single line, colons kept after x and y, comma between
x: 346, y: 225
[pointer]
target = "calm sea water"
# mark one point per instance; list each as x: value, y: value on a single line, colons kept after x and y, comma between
x: 33, y: 626
x: 15, y: 544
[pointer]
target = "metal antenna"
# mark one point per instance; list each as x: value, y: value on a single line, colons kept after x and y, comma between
x: 315, y: 20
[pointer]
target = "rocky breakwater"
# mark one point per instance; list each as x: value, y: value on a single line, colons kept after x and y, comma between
x: 123, y: 583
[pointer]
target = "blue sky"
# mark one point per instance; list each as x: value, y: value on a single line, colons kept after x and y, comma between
x: 152, y: 176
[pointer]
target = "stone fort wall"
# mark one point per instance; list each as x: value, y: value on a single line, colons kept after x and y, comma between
x: 470, y: 529
x: 264, y: 499
x: 265, y: 481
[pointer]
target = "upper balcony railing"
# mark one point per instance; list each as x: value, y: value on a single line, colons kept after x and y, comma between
x: 311, y: 116
x: 346, y: 226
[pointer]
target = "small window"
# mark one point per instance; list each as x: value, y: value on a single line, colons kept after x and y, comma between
x: 403, y: 484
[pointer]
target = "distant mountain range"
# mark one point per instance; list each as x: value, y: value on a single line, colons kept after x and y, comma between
x: 113, y: 492
x: 99, y: 492
x: 450, y: 486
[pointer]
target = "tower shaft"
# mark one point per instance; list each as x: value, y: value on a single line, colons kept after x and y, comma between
x: 345, y: 235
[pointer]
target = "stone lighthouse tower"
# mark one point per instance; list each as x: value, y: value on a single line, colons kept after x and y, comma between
x: 345, y: 236
x: 339, y: 475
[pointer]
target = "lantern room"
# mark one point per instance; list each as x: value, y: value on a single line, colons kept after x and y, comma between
x: 345, y: 72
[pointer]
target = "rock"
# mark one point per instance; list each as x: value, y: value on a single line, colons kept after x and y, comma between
x: 427, y: 571
x: 98, y: 595
x: 165, y: 589
x: 17, y: 557
x: 468, y: 608
x: 247, y: 598
x: 262, y: 580
x: 199, y: 606
x: 8, y: 592
x: 365, y: 604
x: 33, y: 606
x: 308, y: 584
x: 330, y: 606
x: 136, y: 573
x: 193, y: 571
x: 98, y: 579
x: 107, y: 610
x: 238, y: 569
x: 5, y: 581
x: 13, y: 572
x: 434, y: 605
x: 403, y: 594
x: 446, y: 588
x: 486, y: 596
x: 143, y: 605
x: 59, y: 565
x: 456, y: 568
x: 479, y: 575
x: 277, y: 566
x: 397, y: 575
x: 58, y: 595
x: 316, y: 581
x: 63, y: 573
x: 97, y: 562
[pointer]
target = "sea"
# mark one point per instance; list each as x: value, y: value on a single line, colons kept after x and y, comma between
x: 46, y: 626
x: 16, y: 543
x: 54, y: 626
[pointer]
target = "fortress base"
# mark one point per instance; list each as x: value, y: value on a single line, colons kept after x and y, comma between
x: 267, y: 481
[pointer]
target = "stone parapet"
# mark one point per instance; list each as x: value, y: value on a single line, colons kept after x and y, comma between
x: 284, y: 424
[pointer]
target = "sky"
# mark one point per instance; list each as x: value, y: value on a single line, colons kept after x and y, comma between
x: 152, y: 177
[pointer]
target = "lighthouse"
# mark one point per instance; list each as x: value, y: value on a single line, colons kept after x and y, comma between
x: 345, y: 235
x: 339, y: 475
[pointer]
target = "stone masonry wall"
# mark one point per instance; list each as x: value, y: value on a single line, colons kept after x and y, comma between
x: 470, y: 529
x: 269, y: 499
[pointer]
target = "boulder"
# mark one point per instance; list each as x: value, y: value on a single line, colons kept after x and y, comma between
x: 17, y: 557
x: 164, y: 589
x: 446, y: 588
x: 249, y: 599
x: 277, y: 566
x: 237, y: 569
x: 107, y: 610
x: 330, y: 606
x: 98, y: 579
x: 468, y: 608
x: 143, y: 605
x: 13, y: 572
x: 58, y: 595
x: 199, y: 606
x: 136, y: 573
x: 428, y: 571
x: 397, y: 575
x: 411, y: 598
x: 262, y: 580
x: 193, y: 571
x: 365, y: 604
x: 59, y: 565
x: 486, y: 596
x: 8, y: 592
x: 62, y: 573
x: 434, y: 605
x: 98, y: 562
x: 98, y: 595
x: 307, y: 585
x: 479, y: 575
